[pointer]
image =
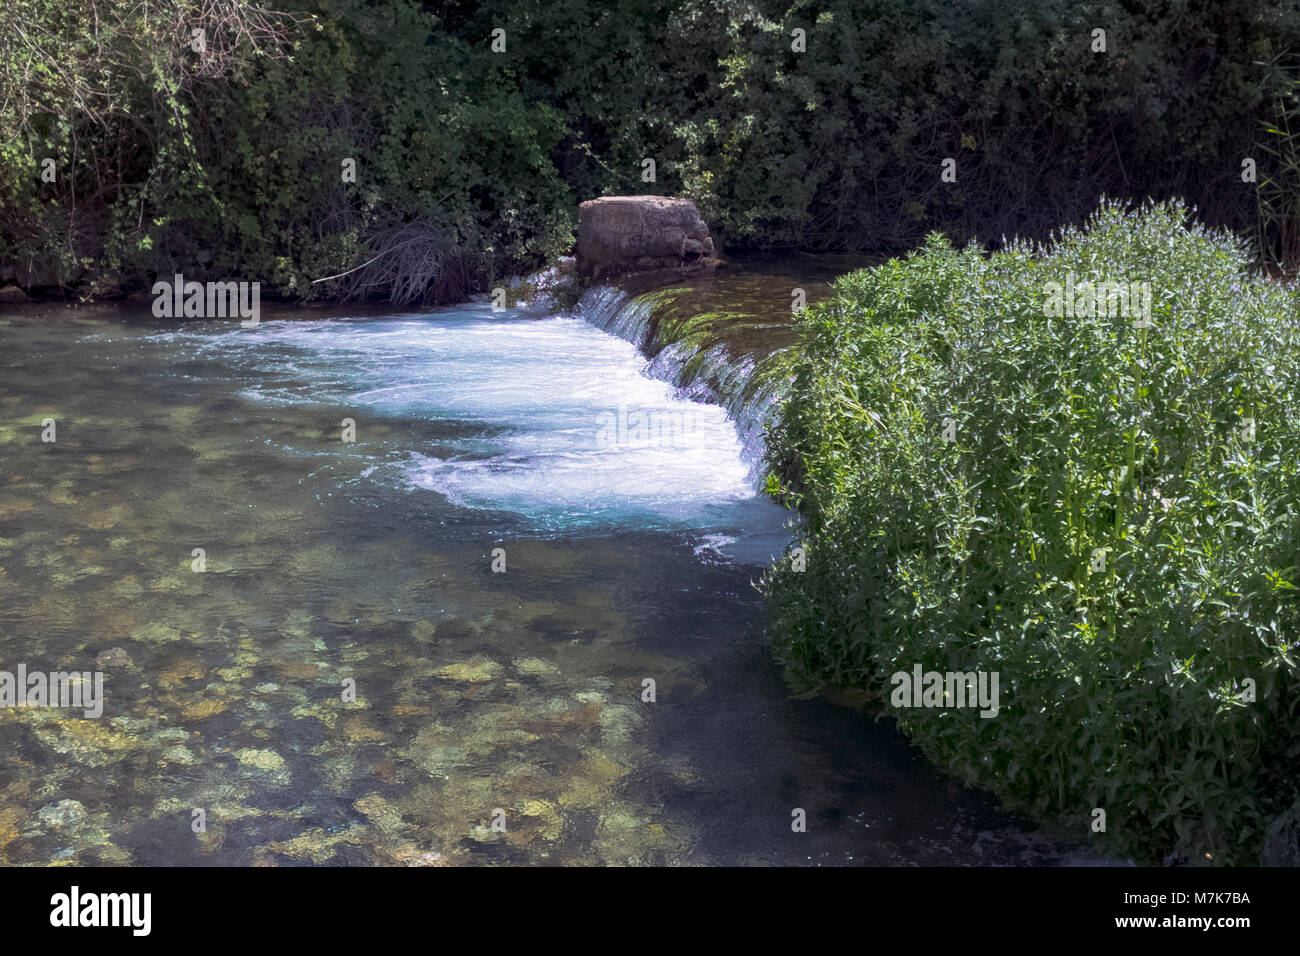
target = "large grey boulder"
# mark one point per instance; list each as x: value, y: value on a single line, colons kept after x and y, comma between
x: 637, y: 233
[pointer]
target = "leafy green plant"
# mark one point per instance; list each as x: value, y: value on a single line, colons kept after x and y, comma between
x: 227, y: 162
x: 1114, y: 528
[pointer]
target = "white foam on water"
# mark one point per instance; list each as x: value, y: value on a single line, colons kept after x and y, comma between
x: 563, y: 423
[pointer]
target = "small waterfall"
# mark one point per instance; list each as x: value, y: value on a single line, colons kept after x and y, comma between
x: 704, y: 367
x: 614, y: 311
x: 547, y: 418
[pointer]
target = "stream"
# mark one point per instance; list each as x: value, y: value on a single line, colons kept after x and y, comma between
x: 532, y: 521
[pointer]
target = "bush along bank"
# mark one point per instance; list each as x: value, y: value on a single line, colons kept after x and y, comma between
x: 1076, y: 468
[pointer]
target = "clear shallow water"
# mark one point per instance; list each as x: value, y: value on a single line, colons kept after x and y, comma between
x: 371, y: 561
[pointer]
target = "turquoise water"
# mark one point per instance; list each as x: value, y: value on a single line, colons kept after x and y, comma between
x: 626, y: 535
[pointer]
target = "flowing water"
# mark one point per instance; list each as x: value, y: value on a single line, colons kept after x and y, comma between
x: 531, y: 522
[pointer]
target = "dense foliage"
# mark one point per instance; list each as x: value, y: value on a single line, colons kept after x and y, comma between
x: 1112, y: 525
x: 470, y: 163
x: 178, y: 165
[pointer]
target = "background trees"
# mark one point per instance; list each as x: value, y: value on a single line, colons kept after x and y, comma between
x: 470, y: 162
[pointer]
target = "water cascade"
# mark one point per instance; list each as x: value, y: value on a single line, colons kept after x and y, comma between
x: 733, y: 359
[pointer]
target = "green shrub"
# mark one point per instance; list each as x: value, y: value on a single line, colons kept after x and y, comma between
x: 227, y: 163
x: 1123, y: 681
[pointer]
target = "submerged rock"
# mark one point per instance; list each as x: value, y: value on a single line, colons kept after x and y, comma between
x: 93, y: 743
x: 112, y: 657
x: 65, y: 813
x: 265, y: 765
x: 261, y: 759
x: 156, y: 632
x: 535, y: 667
x: 471, y: 671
